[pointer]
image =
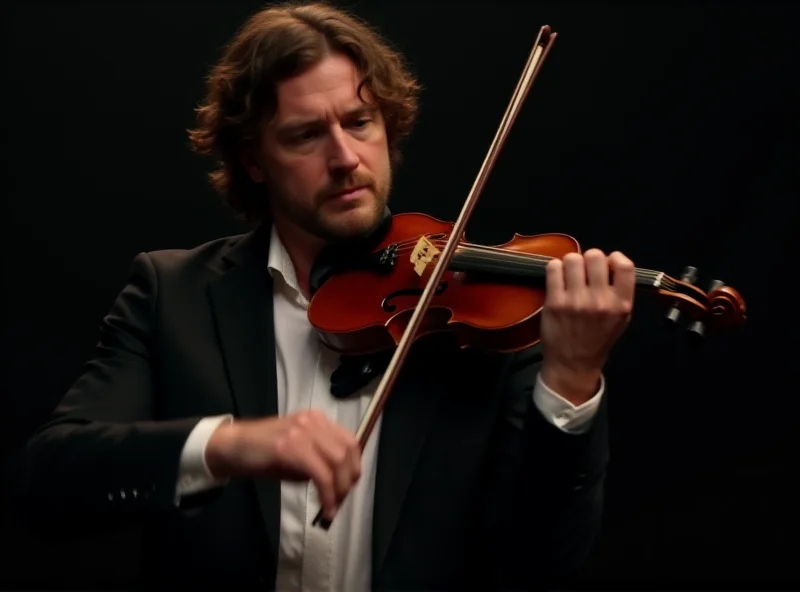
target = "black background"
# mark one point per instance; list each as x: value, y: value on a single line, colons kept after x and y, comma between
x: 665, y: 131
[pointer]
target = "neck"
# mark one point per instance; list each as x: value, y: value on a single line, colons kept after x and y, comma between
x: 528, y: 267
x: 303, y: 249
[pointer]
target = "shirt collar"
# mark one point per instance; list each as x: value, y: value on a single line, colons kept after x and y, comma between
x: 279, y: 264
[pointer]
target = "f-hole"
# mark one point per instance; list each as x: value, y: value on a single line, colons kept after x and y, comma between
x: 387, y: 306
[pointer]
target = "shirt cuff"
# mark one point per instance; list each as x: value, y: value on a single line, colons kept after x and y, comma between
x: 194, y: 475
x: 563, y: 414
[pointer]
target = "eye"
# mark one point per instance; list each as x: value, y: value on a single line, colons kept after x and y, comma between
x: 306, y: 135
x: 362, y: 123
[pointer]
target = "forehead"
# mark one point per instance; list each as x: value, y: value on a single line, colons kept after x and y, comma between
x: 327, y: 89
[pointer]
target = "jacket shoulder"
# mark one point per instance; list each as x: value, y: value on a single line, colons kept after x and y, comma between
x: 208, y: 255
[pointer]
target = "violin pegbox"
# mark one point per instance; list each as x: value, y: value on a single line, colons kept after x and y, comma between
x: 721, y: 307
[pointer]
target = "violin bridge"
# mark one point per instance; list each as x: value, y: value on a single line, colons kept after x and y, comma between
x: 424, y: 252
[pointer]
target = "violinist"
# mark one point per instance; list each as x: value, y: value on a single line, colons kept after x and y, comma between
x: 213, y: 415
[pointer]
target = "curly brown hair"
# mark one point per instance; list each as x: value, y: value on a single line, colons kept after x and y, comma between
x: 277, y: 43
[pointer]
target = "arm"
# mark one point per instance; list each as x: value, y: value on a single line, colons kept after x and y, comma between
x: 555, y: 479
x: 559, y: 475
x: 101, y: 458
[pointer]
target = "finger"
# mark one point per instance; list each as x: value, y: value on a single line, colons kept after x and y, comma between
x: 338, y: 446
x: 354, y: 458
x: 349, y: 441
x: 596, y: 268
x: 345, y: 436
x: 574, y: 273
x: 338, y: 458
x: 317, y: 420
x: 555, y: 286
x: 624, y: 277
x: 321, y: 475
x: 320, y: 451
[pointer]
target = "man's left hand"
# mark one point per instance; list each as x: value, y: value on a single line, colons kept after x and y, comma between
x: 588, y: 304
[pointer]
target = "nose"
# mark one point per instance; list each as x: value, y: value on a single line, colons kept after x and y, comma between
x: 342, y: 156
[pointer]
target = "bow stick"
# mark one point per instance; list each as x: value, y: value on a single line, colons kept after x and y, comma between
x: 541, y: 48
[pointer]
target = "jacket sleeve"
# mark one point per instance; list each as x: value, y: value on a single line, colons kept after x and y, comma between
x: 547, y: 496
x: 101, y: 458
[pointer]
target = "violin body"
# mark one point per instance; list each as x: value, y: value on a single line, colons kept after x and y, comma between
x: 481, y: 302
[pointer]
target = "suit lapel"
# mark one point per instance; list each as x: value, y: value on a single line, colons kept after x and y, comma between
x: 407, y: 420
x: 241, y: 301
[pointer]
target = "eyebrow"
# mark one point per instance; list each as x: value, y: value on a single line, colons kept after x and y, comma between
x: 297, y: 124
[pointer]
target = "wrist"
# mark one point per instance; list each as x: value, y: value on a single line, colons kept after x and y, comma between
x: 220, y: 450
x: 576, y: 386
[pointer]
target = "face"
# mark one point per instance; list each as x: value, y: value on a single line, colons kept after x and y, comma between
x: 324, y: 156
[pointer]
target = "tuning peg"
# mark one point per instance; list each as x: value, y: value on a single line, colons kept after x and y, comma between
x: 698, y: 327
x: 689, y: 276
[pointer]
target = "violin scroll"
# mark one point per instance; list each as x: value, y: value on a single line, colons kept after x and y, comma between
x: 726, y: 306
x: 721, y: 307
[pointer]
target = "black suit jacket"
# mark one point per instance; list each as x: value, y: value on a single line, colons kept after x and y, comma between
x: 475, y: 490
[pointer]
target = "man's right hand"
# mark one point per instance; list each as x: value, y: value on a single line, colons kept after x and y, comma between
x: 298, y: 447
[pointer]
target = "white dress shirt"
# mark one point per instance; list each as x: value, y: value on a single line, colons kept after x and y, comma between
x: 311, y: 559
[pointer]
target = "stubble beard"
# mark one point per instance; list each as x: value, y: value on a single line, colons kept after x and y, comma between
x: 339, y: 223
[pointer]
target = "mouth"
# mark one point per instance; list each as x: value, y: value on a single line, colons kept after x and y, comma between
x: 349, y: 194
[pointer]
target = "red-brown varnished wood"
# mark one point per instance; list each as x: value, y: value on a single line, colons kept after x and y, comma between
x: 348, y: 309
x: 485, y: 311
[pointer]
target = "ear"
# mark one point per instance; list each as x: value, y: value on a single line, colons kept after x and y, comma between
x: 249, y: 157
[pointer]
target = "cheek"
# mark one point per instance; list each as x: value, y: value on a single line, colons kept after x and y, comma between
x: 299, y: 176
x: 376, y: 155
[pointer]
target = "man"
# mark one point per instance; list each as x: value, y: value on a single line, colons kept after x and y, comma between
x: 207, y: 412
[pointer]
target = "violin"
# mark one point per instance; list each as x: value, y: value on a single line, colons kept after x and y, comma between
x: 423, y: 277
x: 490, y: 297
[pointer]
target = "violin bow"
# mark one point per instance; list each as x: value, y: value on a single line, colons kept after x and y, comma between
x: 541, y: 48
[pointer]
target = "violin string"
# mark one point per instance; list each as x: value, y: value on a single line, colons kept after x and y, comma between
x: 523, y: 262
x: 488, y: 257
x: 526, y: 259
x: 537, y: 260
x: 541, y: 258
x: 511, y: 254
x: 493, y: 265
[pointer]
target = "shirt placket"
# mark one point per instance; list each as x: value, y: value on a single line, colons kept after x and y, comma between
x: 317, y: 542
